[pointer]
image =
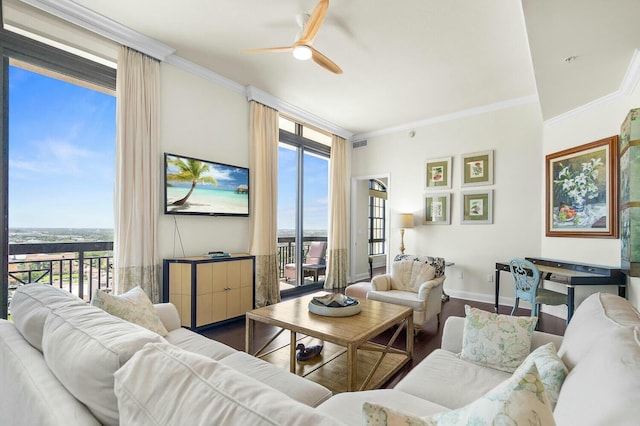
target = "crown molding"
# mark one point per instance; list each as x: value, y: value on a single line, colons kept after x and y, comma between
x: 205, y: 73
x: 92, y: 21
x: 255, y: 94
x: 448, y: 117
x: 627, y: 86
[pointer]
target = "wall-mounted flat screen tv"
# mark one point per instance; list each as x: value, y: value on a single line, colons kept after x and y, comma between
x: 199, y: 187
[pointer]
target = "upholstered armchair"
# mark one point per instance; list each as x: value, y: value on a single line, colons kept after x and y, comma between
x: 415, y: 282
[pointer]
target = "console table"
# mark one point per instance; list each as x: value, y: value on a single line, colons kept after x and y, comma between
x: 571, y: 274
x: 207, y: 290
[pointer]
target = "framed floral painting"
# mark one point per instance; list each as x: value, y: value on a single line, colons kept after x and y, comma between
x: 476, y: 207
x: 438, y: 173
x: 437, y: 209
x: 582, y: 191
x: 477, y: 168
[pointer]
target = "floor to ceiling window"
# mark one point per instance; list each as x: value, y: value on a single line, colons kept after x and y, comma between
x: 58, y: 158
x: 303, y: 194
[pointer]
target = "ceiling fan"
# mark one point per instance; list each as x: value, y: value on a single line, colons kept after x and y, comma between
x: 302, y: 48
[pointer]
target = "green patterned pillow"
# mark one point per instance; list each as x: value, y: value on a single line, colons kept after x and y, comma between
x: 497, y: 341
x: 133, y: 306
x: 519, y: 400
x: 551, y: 368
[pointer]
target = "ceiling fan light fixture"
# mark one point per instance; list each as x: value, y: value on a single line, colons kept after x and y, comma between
x: 302, y: 52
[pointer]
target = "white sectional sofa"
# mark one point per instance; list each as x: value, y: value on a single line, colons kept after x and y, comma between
x: 65, y: 363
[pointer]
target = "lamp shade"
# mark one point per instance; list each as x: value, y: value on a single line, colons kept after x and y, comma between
x: 406, y: 220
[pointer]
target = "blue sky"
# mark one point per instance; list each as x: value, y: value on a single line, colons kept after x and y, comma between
x: 316, y: 190
x: 62, y: 158
x: 61, y: 153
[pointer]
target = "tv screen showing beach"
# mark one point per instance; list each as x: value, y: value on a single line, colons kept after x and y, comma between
x: 199, y: 187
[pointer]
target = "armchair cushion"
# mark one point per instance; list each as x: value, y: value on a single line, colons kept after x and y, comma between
x: 408, y: 275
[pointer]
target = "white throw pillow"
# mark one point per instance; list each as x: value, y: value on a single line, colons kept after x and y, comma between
x: 494, y: 340
x: 550, y: 367
x: 84, y: 346
x: 133, y: 306
x: 166, y: 385
x: 519, y: 400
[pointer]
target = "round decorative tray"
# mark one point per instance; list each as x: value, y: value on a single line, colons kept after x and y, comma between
x: 330, y: 311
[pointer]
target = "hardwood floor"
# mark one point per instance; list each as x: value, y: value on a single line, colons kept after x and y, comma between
x: 425, y: 342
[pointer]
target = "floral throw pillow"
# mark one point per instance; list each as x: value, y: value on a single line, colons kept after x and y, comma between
x: 519, y: 400
x: 497, y: 341
x: 133, y: 306
x: 551, y: 368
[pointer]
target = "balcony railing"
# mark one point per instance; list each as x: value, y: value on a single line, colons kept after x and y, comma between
x: 78, y: 267
x: 81, y: 267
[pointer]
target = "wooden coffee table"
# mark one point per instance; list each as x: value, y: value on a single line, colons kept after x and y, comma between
x: 349, y: 360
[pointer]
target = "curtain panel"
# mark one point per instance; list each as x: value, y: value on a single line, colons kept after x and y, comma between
x: 138, y: 174
x: 263, y: 185
x: 337, y: 258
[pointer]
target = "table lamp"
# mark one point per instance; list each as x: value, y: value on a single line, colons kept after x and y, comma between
x: 406, y: 221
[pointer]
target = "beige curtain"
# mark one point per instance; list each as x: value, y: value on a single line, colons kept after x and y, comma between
x: 138, y: 179
x: 263, y: 160
x: 337, y: 258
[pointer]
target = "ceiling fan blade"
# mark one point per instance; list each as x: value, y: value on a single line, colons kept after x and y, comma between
x: 315, y: 21
x: 269, y: 49
x: 324, y: 62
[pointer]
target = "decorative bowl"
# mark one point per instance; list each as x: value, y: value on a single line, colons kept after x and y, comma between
x: 318, y: 308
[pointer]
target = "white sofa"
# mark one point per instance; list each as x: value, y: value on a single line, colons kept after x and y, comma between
x: 59, y: 355
x: 185, y: 378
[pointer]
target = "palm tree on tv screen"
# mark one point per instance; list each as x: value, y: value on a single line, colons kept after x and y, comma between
x: 190, y: 171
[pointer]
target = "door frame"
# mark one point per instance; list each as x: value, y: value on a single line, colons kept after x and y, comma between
x: 353, y: 273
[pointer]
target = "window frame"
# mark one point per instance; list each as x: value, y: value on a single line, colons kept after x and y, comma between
x: 377, y: 204
x: 33, y: 52
x: 302, y: 146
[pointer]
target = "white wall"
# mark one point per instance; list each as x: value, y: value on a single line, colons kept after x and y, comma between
x: 515, y: 135
x: 593, y: 124
x: 203, y: 120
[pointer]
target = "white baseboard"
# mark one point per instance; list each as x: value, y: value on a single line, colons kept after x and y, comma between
x: 359, y: 277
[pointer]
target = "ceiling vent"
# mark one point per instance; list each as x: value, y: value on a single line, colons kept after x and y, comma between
x: 359, y: 144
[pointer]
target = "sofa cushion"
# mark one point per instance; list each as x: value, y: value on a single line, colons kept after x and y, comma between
x: 298, y: 388
x: 550, y: 367
x: 84, y: 346
x: 604, y: 387
x: 165, y: 385
x: 347, y: 406
x: 462, y: 381
x: 30, y: 305
x: 520, y: 400
x: 30, y: 393
x: 597, y: 316
x: 494, y: 340
x: 133, y: 306
x: 194, y: 342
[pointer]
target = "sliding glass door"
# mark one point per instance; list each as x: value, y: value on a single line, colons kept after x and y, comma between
x: 303, y: 193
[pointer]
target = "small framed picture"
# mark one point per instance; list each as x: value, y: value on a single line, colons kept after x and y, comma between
x: 476, y: 207
x: 437, y: 209
x: 438, y: 173
x: 477, y: 168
